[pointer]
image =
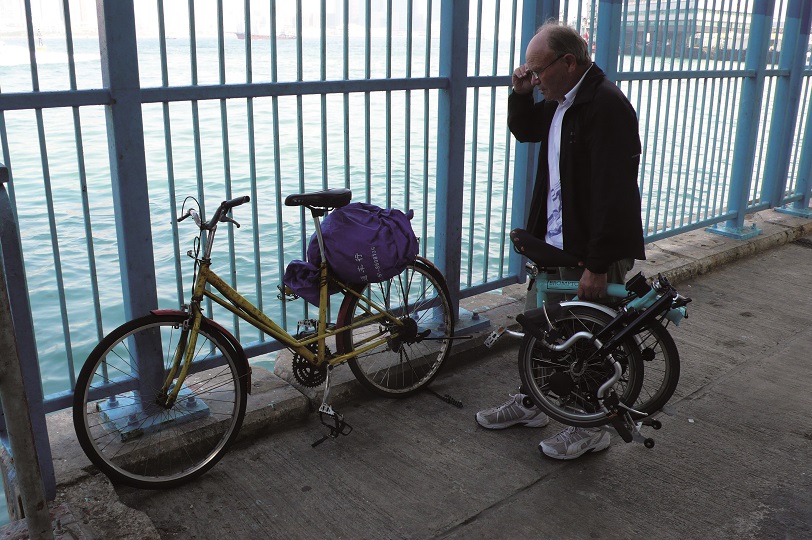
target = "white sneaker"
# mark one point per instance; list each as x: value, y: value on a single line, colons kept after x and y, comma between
x: 517, y: 410
x: 574, y: 442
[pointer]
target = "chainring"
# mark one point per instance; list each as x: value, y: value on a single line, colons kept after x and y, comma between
x: 306, y: 373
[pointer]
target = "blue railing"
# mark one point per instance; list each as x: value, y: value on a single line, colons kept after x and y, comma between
x: 107, y: 123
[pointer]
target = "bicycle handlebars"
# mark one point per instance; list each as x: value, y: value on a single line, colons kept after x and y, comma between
x: 219, y: 215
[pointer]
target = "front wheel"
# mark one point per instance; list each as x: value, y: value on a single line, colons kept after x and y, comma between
x: 406, y: 356
x: 125, y: 427
x: 564, y: 384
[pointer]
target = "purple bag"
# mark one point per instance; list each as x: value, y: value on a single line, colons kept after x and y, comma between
x: 363, y: 243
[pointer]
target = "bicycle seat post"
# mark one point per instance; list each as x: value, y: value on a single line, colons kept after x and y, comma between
x: 317, y: 213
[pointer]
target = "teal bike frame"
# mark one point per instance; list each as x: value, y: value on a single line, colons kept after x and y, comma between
x: 614, y: 290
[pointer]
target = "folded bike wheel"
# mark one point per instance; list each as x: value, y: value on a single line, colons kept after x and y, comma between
x: 564, y: 384
x: 123, y: 425
x: 661, y: 366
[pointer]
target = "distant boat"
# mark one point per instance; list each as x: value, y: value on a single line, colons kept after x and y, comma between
x: 283, y: 35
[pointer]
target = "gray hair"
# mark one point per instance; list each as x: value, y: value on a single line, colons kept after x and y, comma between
x: 563, y: 39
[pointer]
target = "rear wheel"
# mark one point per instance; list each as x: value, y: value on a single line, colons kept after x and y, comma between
x: 564, y: 384
x: 408, y: 355
x: 124, y: 426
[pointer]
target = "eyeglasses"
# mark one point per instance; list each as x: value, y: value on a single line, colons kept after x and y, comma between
x: 537, y: 74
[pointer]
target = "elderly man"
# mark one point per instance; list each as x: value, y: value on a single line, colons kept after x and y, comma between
x: 585, y: 201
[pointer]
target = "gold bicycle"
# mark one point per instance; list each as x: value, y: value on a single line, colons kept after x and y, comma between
x: 160, y: 399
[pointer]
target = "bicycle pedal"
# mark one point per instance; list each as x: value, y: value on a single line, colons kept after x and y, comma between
x: 491, y: 340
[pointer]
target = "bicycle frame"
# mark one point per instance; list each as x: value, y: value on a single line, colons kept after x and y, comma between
x: 237, y: 304
x: 613, y: 290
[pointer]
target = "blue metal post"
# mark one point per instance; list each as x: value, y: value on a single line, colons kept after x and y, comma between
x: 607, y: 40
x: 12, y: 261
x: 744, y: 149
x: 803, y: 186
x: 451, y: 142
x: 128, y: 170
x: 786, y: 101
x: 534, y: 13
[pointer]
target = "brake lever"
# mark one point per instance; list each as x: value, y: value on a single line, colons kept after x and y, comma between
x: 229, y: 220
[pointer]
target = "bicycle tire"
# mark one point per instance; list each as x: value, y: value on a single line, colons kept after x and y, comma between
x: 127, y: 434
x: 565, y: 392
x: 661, y: 368
x: 405, y: 363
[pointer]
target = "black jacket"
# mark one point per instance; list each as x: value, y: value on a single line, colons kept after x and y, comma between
x: 600, y: 158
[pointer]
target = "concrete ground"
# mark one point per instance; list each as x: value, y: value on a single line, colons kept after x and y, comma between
x: 733, y: 461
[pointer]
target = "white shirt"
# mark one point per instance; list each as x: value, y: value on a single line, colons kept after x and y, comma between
x: 555, y: 233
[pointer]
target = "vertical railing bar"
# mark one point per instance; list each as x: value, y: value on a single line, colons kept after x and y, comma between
x: 634, y: 44
x: 170, y: 169
x: 80, y: 157
x: 303, y: 238
x: 711, y: 143
x: 623, y: 35
x: 729, y: 159
x: 695, y: 94
x: 49, y: 201
x: 201, y: 195
x: 407, y: 169
x: 721, y: 184
x: 696, y: 130
x: 719, y: 193
x: 508, y: 151
x: 657, y: 114
x: 740, y: 45
x: 758, y: 169
x: 252, y: 158
x: 368, y: 101
x: 656, y: 143
x: 656, y: 40
x: 662, y: 178
x: 802, y: 134
x: 646, y: 143
x: 726, y: 48
x: 675, y: 134
x: 323, y: 77
x: 674, y: 131
x: 709, y: 104
x: 195, y: 114
x: 474, y: 142
x: 678, y: 190
x: 280, y: 242
x: 704, y: 132
x: 389, y: 105
x: 704, y: 101
x: 488, y: 201
x: 346, y: 52
x: 221, y: 60
x: 426, y: 132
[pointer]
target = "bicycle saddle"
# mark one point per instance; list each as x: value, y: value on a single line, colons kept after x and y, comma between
x: 539, y: 251
x: 329, y: 198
